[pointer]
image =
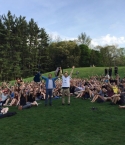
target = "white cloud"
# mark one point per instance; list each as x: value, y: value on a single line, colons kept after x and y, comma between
x: 103, y: 40
x: 108, y: 40
x: 55, y: 36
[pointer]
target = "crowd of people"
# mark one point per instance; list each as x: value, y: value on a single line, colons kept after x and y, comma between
x: 95, y: 88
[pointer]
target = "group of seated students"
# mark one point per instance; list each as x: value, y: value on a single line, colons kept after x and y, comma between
x: 96, y: 88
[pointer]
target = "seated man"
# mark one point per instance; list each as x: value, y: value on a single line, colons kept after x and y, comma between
x: 100, y: 95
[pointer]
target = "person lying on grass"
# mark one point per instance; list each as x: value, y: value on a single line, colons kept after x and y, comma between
x: 3, y: 110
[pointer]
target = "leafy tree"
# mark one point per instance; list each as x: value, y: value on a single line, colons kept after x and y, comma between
x: 84, y: 39
x: 84, y: 56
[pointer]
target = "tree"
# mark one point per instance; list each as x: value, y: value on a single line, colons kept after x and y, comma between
x: 84, y: 39
x: 84, y: 56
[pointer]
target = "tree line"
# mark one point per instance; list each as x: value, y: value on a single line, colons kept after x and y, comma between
x: 26, y: 48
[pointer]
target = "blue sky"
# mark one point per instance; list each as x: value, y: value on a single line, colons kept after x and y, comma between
x: 102, y: 20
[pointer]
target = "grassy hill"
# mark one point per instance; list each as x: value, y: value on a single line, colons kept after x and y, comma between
x: 76, y: 124
x: 88, y: 71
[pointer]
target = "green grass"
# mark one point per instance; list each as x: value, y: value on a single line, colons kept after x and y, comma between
x: 85, y: 72
x: 76, y: 124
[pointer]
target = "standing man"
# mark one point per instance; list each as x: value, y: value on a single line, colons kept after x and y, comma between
x: 115, y: 70
x: 106, y: 71
x: 50, y: 85
x: 110, y: 71
x: 66, y: 85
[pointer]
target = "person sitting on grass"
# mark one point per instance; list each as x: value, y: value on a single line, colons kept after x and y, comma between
x: 4, y: 96
x: 31, y: 98
x: 100, y: 95
x: 23, y: 104
x: 72, y: 88
x: 11, y: 96
x: 15, y: 100
x: 116, y: 97
x: 79, y: 91
x: 87, y: 93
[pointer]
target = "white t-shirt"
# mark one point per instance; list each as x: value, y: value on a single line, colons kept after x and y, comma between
x: 65, y: 81
x: 4, y: 97
x: 50, y: 84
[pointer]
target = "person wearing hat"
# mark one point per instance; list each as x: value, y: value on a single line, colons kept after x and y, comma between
x: 66, y: 85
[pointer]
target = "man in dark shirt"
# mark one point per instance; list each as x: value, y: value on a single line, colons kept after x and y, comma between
x: 106, y: 71
x: 115, y: 70
x: 110, y: 71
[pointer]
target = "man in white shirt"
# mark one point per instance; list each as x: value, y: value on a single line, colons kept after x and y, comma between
x: 66, y: 86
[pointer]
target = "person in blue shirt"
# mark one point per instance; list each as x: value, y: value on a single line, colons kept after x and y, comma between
x: 50, y: 85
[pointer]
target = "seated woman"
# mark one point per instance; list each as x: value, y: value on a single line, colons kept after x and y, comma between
x: 57, y: 92
x: 15, y: 100
x: 23, y: 104
x: 116, y: 92
x: 11, y: 96
x: 87, y: 93
x: 79, y: 91
x: 31, y: 98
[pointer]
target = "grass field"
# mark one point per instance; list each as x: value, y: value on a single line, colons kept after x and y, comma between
x: 87, y: 71
x: 76, y: 124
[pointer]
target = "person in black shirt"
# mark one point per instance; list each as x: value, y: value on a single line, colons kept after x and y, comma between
x: 106, y: 71
x: 110, y: 71
x: 115, y: 70
x: 30, y: 98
